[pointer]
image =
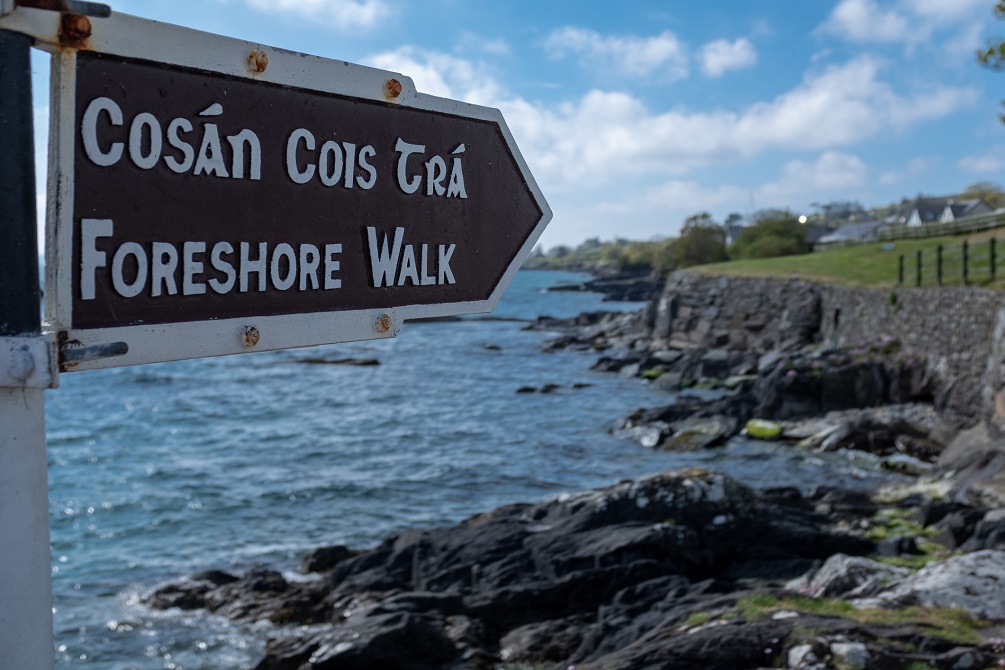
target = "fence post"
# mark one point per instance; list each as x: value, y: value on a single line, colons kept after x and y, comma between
x: 938, y: 265
x: 918, y: 269
x: 900, y: 270
x: 966, y: 262
x: 993, y: 258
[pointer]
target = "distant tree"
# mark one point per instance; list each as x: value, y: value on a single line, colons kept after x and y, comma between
x: 701, y: 241
x: 776, y: 233
x: 988, y: 191
x: 993, y: 54
x: 560, y: 251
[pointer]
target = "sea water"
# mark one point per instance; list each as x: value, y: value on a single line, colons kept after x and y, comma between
x: 163, y: 470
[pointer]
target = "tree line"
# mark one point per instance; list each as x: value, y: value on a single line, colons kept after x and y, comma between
x: 701, y: 240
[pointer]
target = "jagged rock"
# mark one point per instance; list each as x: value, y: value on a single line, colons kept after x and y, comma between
x: 848, y: 577
x: 971, y: 582
x: 579, y: 576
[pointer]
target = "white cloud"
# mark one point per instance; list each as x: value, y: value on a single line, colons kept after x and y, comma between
x: 441, y: 74
x: 663, y: 55
x: 914, y: 167
x: 472, y: 42
x: 988, y: 163
x: 607, y: 137
x: 341, y: 15
x: 605, y: 155
x: 722, y: 55
x: 909, y: 22
x: 866, y: 21
x: 830, y: 173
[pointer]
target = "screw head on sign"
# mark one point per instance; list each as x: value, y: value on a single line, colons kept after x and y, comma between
x: 383, y: 324
x: 258, y: 60
x: 392, y: 88
x: 251, y: 336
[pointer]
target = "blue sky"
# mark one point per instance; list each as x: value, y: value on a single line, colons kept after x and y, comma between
x: 635, y: 114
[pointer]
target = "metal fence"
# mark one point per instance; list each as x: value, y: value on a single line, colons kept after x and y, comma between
x: 948, y: 264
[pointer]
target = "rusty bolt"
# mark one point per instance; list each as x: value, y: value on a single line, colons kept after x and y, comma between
x: 258, y: 61
x: 76, y: 27
x: 383, y: 323
x: 392, y: 88
x: 251, y: 336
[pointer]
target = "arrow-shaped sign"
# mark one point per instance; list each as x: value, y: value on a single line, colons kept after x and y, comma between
x: 215, y: 196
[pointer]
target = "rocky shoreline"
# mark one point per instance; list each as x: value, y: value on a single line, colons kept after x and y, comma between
x: 688, y: 569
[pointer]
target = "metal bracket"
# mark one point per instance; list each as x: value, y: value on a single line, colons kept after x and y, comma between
x: 95, y: 9
x: 29, y: 362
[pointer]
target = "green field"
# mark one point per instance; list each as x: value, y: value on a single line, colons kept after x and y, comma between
x: 873, y: 265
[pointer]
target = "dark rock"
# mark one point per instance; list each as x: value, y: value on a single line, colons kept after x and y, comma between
x: 324, y: 559
x: 581, y: 576
x: 360, y: 362
x: 898, y: 545
x: 988, y: 533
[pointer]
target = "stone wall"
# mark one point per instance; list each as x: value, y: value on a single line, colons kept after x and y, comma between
x: 958, y: 331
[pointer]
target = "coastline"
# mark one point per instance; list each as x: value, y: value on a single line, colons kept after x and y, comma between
x: 690, y: 569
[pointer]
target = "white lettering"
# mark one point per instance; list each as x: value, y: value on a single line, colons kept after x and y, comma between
x: 123, y: 287
x: 224, y: 266
x: 210, y: 160
x: 350, y: 163
x: 456, y: 188
x: 445, y: 275
x: 89, y: 132
x: 408, y: 269
x: 292, y: 168
x: 148, y: 121
x: 191, y: 267
x: 283, y: 251
x: 258, y: 265
x: 237, y: 142
x: 436, y: 172
x: 310, y: 258
x: 176, y: 142
x: 332, y: 266
x: 366, y: 153
x: 384, y: 263
x: 427, y: 279
x: 92, y: 259
x: 405, y: 149
x: 163, y: 263
x: 330, y: 177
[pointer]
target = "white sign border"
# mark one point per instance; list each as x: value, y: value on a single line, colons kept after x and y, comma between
x: 135, y: 37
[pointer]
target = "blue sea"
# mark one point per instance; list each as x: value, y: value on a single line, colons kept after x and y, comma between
x: 162, y: 470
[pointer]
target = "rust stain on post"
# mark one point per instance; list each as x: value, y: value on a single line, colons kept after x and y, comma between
x: 392, y: 89
x: 74, y: 31
x: 383, y: 323
x: 251, y: 336
x: 258, y: 60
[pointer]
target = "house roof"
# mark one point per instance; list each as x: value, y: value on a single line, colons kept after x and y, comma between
x: 964, y: 208
x: 852, y: 232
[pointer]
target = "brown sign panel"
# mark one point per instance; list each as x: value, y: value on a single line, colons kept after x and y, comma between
x: 202, y: 196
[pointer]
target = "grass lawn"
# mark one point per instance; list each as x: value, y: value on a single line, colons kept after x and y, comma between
x: 872, y: 265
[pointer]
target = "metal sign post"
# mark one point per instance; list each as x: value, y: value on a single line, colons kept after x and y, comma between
x: 25, y: 370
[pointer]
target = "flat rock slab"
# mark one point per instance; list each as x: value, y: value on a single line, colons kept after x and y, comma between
x: 973, y: 582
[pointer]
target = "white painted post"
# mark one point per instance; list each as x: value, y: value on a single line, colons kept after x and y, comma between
x: 25, y: 569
